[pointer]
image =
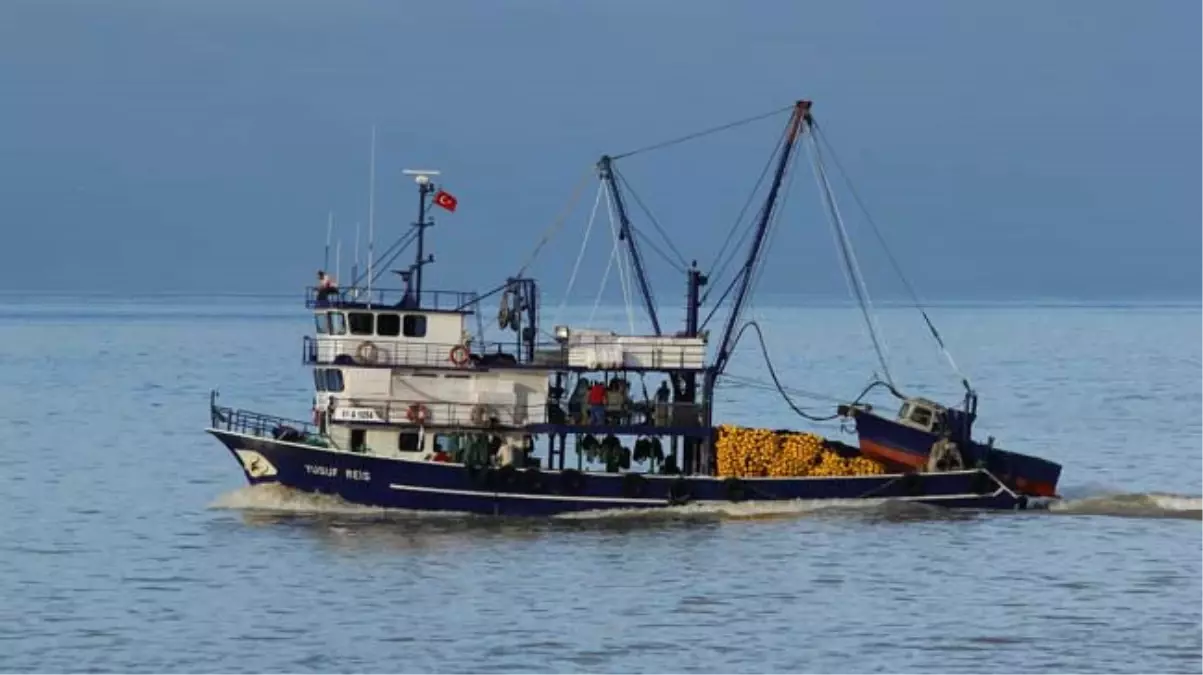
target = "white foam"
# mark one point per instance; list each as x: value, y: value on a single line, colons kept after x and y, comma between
x: 276, y: 498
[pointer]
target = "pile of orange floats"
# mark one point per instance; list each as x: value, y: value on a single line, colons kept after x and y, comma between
x: 745, y: 452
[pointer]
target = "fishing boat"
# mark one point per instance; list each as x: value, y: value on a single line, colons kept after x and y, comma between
x: 414, y: 410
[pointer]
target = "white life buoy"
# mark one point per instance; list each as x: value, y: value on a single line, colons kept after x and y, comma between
x: 367, y: 352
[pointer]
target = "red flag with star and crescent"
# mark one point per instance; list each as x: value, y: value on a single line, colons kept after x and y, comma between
x: 445, y: 200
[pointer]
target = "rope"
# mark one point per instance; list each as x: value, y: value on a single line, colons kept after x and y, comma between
x: 622, y: 265
x: 699, y: 134
x: 605, y: 277
x: 768, y: 362
x: 742, y: 212
x: 655, y: 223
x: 851, y: 269
x: 890, y: 256
x: 581, y: 254
x: 557, y: 223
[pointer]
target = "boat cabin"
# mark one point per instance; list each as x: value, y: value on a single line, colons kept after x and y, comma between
x: 927, y: 415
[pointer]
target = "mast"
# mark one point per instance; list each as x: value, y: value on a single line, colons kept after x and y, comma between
x: 425, y: 188
x: 801, y: 115
x: 607, y: 174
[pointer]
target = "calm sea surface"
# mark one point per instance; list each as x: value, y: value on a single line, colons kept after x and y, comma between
x: 128, y: 541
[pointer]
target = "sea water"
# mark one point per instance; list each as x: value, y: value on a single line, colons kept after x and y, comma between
x: 130, y: 543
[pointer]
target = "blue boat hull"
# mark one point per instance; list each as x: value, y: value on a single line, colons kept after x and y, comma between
x: 899, y: 445
x: 430, y: 486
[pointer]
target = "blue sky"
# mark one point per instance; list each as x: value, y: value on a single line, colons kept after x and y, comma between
x: 1008, y: 149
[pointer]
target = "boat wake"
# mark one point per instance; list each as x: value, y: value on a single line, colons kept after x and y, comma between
x: 273, y: 499
x: 1131, y: 505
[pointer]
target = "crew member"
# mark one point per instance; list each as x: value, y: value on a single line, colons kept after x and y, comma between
x: 597, y: 403
x: 325, y: 286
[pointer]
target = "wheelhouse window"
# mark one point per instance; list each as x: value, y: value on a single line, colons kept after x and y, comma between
x: 338, y: 323
x: 328, y: 379
x: 409, y: 441
x: 361, y: 323
x: 334, y: 379
x: 414, y: 326
x: 921, y: 416
x: 322, y: 323
x: 388, y: 325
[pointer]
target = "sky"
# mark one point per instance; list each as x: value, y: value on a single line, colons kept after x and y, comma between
x: 1010, y: 150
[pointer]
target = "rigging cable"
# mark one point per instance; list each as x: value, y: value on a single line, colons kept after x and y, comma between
x: 768, y: 233
x: 655, y: 223
x: 576, y: 268
x: 558, y: 223
x: 851, y: 269
x: 768, y: 362
x: 715, y: 276
x: 699, y: 134
x: 890, y: 256
x: 623, y: 270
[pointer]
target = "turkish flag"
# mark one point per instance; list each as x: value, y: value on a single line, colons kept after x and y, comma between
x: 445, y: 200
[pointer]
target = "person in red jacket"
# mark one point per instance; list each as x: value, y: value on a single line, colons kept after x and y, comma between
x: 597, y: 403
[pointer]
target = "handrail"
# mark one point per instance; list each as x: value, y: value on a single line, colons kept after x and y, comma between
x: 360, y: 297
x: 483, y: 414
x: 258, y: 424
x: 348, y: 349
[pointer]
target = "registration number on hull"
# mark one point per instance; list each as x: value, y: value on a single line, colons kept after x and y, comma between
x: 333, y: 472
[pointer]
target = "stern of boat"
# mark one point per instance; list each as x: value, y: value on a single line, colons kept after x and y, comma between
x: 905, y: 448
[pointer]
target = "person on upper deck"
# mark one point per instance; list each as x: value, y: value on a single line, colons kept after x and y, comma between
x: 597, y: 403
x: 326, y: 286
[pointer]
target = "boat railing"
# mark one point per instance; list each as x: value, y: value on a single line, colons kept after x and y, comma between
x: 372, y: 351
x: 617, y: 413
x: 257, y: 424
x: 358, y: 297
x: 609, y: 354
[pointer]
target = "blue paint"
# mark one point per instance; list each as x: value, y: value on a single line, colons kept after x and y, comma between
x: 405, y: 484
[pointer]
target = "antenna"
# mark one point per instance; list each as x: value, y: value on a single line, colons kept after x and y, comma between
x: 329, y: 231
x: 371, y: 212
x: 355, y: 266
x: 338, y: 259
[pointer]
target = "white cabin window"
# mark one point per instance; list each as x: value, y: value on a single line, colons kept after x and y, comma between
x: 361, y: 323
x: 321, y: 323
x: 388, y: 325
x: 414, y: 325
x: 338, y: 323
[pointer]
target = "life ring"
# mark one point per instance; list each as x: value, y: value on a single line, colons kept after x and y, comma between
x: 459, y: 355
x: 417, y: 413
x: 367, y: 352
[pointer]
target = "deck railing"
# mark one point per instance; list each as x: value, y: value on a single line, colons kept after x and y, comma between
x: 257, y: 424
x: 478, y: 414
x: 350, y: 349
x: 357, y: 296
